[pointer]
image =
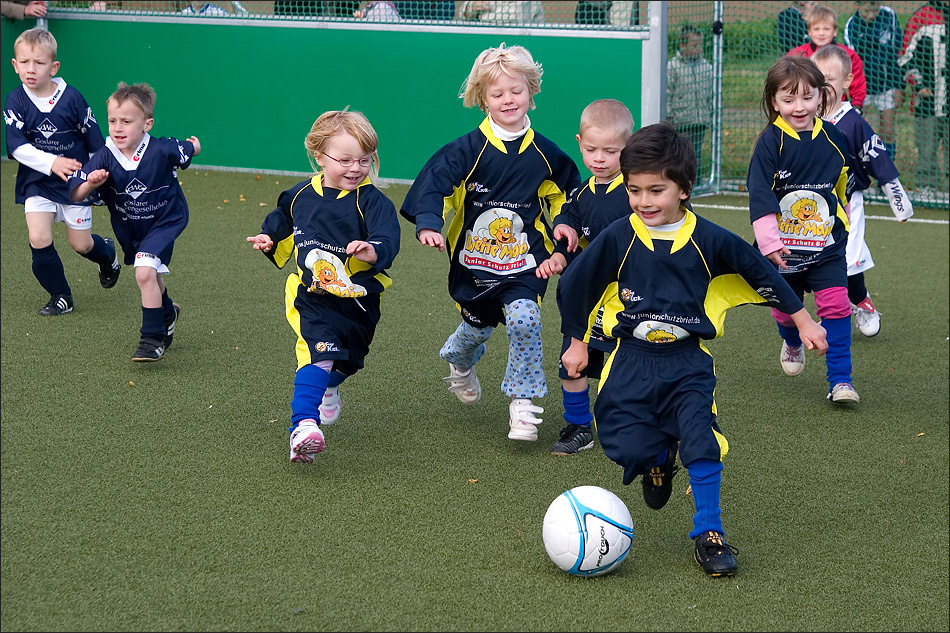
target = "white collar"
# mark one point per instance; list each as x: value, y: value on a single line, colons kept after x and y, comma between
x: 504, y: 134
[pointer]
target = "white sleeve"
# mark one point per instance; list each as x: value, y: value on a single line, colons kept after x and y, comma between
x: 897, y: 198
x: 34, y: 158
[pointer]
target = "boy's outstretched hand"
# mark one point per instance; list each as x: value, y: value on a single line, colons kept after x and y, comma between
x: 261, y: 242
x: 432, y: 238
x: 363, y: 251
x: 813, y: 335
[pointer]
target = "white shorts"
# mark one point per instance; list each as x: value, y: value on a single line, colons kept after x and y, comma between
x: 856, y: 250
x: 76, y: 216
x: 883, y: 101
x: 150, y: 261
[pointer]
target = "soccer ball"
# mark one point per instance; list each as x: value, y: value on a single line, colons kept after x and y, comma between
x: 587, y: 531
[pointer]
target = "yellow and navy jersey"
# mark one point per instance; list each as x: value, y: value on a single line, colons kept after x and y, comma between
x: 593, y: 208
x: 313, y: 225
x: 500, y: 198
x: 802, y: 179
x: 665, y: 287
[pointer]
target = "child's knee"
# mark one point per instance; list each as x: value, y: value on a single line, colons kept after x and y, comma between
x: 523, y: 318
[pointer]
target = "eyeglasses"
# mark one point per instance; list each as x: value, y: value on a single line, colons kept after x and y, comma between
x: 366, y: 161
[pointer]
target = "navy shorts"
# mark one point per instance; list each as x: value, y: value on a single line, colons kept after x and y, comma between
x: 653, y: 395
x: 490, y: 312
x: 827, y: 273
x: 331, y: 328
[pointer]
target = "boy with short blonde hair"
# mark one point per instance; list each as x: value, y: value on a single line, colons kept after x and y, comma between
x: 51, y: 131
x: 822, y: 29
x: 147, y: 205
x: 605, y: 126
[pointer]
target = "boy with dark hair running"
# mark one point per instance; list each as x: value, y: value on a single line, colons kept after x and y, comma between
x: 665, y: 277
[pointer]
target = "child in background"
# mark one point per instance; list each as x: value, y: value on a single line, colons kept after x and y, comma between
x: 792, y: 28
x: 137, y: 176
x: 498, y: 180
x: 666, y: 277
x: 869, y: 157
x: 689, y: 88
x: 606, y: 124
x: 874, y: 33
x: 797, y: 195
x: 341, y: 233
x: 822, y: 29
x: 51, y: 131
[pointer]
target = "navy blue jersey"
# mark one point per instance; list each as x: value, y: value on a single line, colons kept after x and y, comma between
x: 147, y: 205
x: 869, y: 157
x: 802, y: 179
x: 62, y: 124
x: 313, y: 225
x: 666, y: 290
x: 878, y: 43
x: 595, y: 206
x: 498, y: 192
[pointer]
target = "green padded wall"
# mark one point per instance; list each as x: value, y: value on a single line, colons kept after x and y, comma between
x: 251, y: 92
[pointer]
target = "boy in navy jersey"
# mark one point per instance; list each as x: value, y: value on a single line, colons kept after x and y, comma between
x: 606, y: 124
x: 869, y: 157
x: 51, y: 131
x: 665, y: 278
x: 136, y: 175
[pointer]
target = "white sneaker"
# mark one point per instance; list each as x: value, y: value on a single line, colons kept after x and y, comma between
x: 330, y: 406
x: 866, y: 317
x: 306, y: 441
x: 793, y: 359
x: 464, y: 384
x: 844, y: 392
x: 523, y: 423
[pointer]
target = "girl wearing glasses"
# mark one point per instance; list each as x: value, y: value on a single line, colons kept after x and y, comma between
x: 342, y: 234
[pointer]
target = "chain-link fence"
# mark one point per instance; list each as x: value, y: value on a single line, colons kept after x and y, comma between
x: 718, y: 54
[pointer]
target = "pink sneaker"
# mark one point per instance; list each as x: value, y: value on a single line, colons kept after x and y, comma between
x: 306, y: 441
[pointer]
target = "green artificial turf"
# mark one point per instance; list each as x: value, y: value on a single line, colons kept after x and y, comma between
x: 160, y: 496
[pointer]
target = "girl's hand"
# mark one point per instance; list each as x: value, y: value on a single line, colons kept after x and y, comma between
x: 261, y: 242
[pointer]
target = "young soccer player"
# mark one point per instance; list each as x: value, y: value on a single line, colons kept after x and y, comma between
x: 665, y: 278
x: 869, y: 157
x: 50, y: 131
x: 822, y: 30
x: 341, y: 233
x: 136, y: 175
x: 498, y: 180
x: 606, y: 124
x: 797, y: 180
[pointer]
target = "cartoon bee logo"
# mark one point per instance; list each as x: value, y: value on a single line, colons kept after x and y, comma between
x: 502, y: 231
x: 805, y: 210
x: 324, y: 276
x: 660, y: 336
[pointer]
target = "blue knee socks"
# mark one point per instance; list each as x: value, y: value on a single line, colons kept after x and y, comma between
x: 838, y: 356
x: 577, y: 407
x: 705, y: 479
x: 310, y: 383
x: 48, y: 270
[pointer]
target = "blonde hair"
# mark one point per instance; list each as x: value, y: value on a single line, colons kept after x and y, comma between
x: 37, y: 36
x: 608, y: 114
x: 831, y: 52
x: 334, y: 122
x: 141, y: 95
x: 490, y: 64
x: 821, y: 14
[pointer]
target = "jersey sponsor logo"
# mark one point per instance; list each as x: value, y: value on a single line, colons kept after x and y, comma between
x: 325, y: 346
x: 784, y: 174
x: 497, y: 243
x: 872, y: 148
x: 141, y: 150
x: 55, y: 97
x: 627, y: 295
x: 659, y: 332
x: 46, y: 128
x: 135, y: 188
x: 477, y: 187
x: 805, y: 222
x: 330, y: 276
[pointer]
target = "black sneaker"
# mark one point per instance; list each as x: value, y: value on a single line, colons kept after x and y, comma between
x: 109, y: 276
x: 149, y: 350
x: 715, y: 555
x: 57, y: 305
x: 170, y: 326
x: 574, y: 438
x: 658, y: 483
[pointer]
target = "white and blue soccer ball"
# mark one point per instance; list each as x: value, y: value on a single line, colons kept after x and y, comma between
x: 587, y: 531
